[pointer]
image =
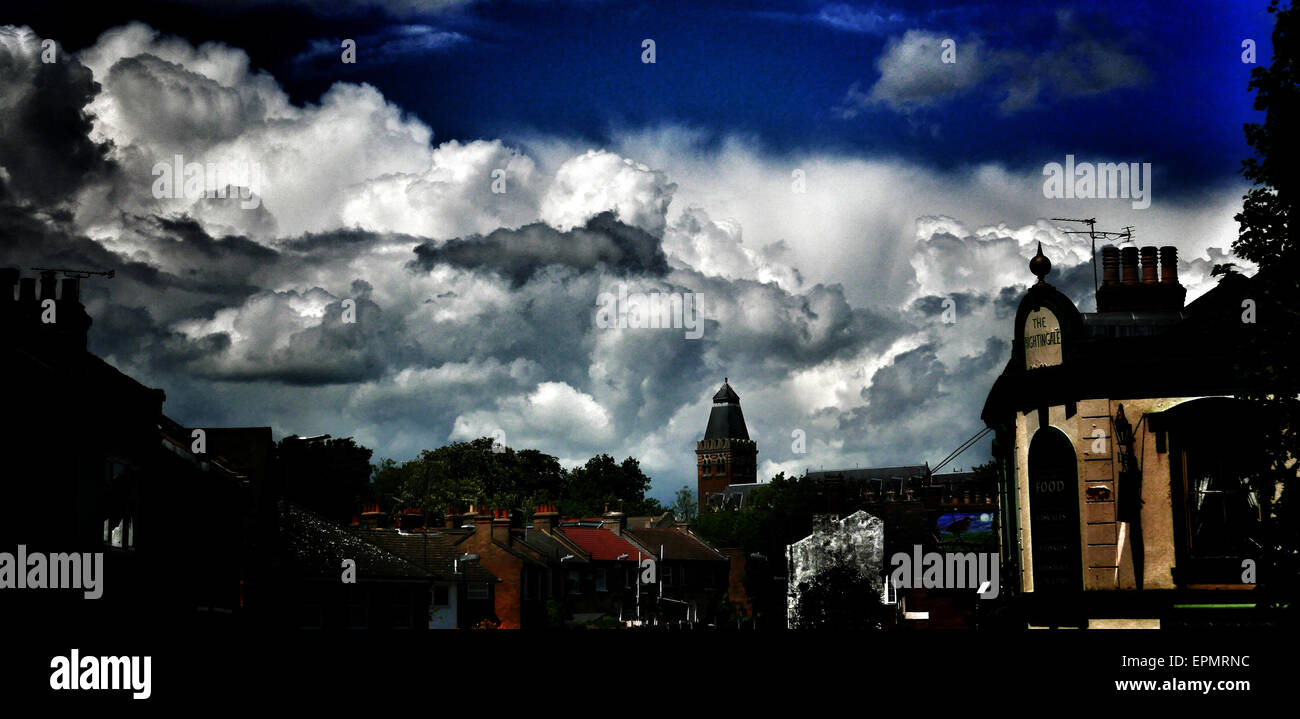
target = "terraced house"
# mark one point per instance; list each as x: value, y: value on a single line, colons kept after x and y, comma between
x: 1129, y: 473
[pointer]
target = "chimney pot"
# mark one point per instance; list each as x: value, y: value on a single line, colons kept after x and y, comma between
x: 1149, y: 265
x: 47, y: 285
x: 71, y: 290
x: 1169, y: 265
x: 1109, y: 265
x: 1129, y: 265
x: 8, y: 278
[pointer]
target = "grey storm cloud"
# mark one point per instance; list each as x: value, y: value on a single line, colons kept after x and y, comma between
x: 521, y: 254
x: 334, y: 351
x: 46, y: 152
x: 1079, y: 60
x: 792, y: 329
x: 963, y: 303
x: 918, y: 401
x: 126, y: 309
x: 913, y: 380
x: 213, y: 112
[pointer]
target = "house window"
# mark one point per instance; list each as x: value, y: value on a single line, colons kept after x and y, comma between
x: 573, y: 586
x: 1223, y: 511
x: 477, y: 591
x: 668, y: 576
x: 120, y: 534
x: 1222, y: 516
x: 441, y: 597
x: 600, y: 581
x: 1220, y: 499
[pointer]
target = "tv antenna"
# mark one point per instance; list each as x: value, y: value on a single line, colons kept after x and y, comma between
x: 1093, y: 233
x: 77, y: 274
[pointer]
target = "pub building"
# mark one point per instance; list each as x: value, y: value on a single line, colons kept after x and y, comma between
x: 1128, y: 473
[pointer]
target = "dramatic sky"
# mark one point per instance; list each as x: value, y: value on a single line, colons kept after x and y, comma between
x: 814, y: 175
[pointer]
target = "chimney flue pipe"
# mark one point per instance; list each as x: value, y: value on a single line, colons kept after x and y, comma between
x: 1109, y: 265
x: 1149, y: 274
x: 1169, y: 265
x: 1129, y: 265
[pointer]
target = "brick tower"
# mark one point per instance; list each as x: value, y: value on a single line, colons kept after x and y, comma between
x: 726, y: 455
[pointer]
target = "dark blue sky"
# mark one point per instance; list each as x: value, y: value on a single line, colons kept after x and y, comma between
x: 772, y: 72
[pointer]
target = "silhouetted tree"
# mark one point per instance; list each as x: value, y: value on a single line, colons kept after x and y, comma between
x: 327, y: 476
x: 456, y: 475
x: 838, y: 597
x: 1268, y: 237
x: 602, y: 482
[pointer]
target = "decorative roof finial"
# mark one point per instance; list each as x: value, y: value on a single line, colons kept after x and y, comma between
x: 1040, y: 265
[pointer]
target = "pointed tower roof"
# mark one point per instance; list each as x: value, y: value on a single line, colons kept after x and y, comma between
x: 726, y: 394
x: 726, y: 421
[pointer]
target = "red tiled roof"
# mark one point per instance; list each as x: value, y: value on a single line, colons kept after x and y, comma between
x: 601, y: 544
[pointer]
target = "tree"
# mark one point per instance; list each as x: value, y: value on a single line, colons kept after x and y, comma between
x: 327, y: 476
x: 684, y: 505
x: 776, y: 514
x: 1268, y: 237
x: 457, y: 475
x: 838, y: 597
x: 602, y: 482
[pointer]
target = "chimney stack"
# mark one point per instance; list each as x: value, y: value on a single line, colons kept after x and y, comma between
x: 501, y: 526
x: 412, y: 520
x: 545, y: 518
x: 52, y: 332
x: 371, y: 517
x: 470, y: 517
x: 1109, y: 265
x: 617, y: 522
x: 1149, y: 274
x: 1157, y: 290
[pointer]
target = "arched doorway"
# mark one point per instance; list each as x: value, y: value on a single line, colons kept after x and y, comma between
x: 1054, y: 513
